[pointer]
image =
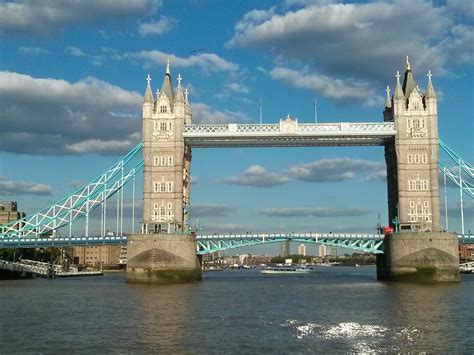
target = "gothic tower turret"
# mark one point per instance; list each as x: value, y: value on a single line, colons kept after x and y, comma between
x: 165, y: 174
x: 412, y: 158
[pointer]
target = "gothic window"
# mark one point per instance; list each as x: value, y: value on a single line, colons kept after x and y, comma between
x: 169, y: 186
x: 426, y: 204
x: 163, y: 109
x: 412, y: 204
x: 163, y: 126
x: 156, y: 186
x: 170, y: 206
x: 162, y: 160
x: 170, y: 160
x: 155, y: 215
x: 163, y: 187
x: 156, y: 160
x: 155, y: 126
x: 162, y: 211
x: 424, y: 185
x: 424, y: 158
x: 416, y: 123
x: 409, y: 159
x: 417, y: 158
x: 169, y: 126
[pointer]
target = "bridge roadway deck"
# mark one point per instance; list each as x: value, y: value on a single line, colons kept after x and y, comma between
x: 292, y: 135
x: 215, y: 242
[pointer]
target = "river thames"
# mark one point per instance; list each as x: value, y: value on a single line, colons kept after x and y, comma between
x: 336, y: 310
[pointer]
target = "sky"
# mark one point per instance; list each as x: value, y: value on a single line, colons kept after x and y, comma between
x: 72, y: 79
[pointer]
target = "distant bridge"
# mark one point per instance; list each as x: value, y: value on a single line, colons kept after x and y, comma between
x: 210, y: 243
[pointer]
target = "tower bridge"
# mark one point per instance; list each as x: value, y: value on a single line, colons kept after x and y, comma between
x: 408, y: 133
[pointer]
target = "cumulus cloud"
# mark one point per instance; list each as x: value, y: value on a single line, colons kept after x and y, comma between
x: 77, y: 52
x: 203, y: 113
x: 59, y: 117
x: 212, y: 210
x: 42, y: 18
x: 237, y: 88
x: 10, y: 186
x: 314, y: 212
x: 334, y: 169
x: 336, y: 89
x: 356, y: 45
x: 32, y: 50
x: 164, y: 25
x: 222, y: 228
x: 461, y: 7
x: 256, y: 176
x: 323, y: 170
x: 206, y: 62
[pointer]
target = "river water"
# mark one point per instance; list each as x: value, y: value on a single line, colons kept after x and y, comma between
x: 336, y: 310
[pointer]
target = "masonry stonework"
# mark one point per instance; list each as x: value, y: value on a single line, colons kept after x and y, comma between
x: 165, y: 251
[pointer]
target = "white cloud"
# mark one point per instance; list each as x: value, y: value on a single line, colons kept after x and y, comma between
x: 66, y: 118
x: 77, y: 52
x: 212, y: 210
x: 46, y: 17
x: 74, y: 51
x: 335, y: 169
x: 32, y: 50
x: 461, y: 7
x: 203, y: 113
x: 237, y: 88
x: 314, y: 212
x: 163, y: 25
x: 363, y: 41
x: 255, y: 176
x: 10, y: 186
x: 323, y: 170
x: 207, y: 62
x: 336, y: 89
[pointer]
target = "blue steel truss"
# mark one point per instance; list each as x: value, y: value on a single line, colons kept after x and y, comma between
x: 372, y: 243
x: 79, y: 204
x: 212, y: 243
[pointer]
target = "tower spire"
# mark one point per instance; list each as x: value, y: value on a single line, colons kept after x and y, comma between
x: 388, y: 101
x: 166, y: 87
x: 179, y: 90
x: 409, y: 83
x: 398, y: 93
x: 430, y: 92
x: 148, y: 94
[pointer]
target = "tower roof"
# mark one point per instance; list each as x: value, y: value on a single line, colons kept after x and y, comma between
x: 398, y: 94
x: 179, y: 91
x: 409, y: 83
x: 148, y: 97
x: 430, y: 91
x: 167, y: 87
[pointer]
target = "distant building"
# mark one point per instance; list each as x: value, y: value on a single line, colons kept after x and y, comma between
x: 323, y: 250
x: 466, y: 252
x: 9, y: 212
x: 302, y: 249
x: 102, y: 255
x: 285, y: 248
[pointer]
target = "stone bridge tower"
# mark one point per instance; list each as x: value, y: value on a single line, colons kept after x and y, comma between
x: 164, y: 251
x: 412, y: 158
x: 166, y: 159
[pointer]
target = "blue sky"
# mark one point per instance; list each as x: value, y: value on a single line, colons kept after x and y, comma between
x: 72, y: 76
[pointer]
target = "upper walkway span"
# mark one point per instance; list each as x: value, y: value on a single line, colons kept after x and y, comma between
x: 288, y: 133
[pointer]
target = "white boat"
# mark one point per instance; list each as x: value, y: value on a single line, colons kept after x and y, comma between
x: 275, y: 270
